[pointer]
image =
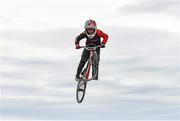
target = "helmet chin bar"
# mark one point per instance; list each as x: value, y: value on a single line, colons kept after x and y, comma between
x: 91, y: 35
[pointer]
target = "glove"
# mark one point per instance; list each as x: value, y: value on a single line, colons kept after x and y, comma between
x: 103, y: 46
x: 77, y: 46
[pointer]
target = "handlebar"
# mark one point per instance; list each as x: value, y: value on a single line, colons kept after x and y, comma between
x: 90, y: 48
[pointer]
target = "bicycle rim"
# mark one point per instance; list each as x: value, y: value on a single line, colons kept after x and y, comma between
x: 80, y: 92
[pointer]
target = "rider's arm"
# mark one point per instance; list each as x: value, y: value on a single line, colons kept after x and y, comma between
x: 79, y: 37
x: 103, y: 35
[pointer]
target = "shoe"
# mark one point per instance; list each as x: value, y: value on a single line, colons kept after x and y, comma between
x: 96, y: 78
x: 77, y: 78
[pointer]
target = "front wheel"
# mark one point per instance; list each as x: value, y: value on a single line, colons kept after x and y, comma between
x: 80, y: 92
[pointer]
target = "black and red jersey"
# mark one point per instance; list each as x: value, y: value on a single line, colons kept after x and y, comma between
x: 96, y: 40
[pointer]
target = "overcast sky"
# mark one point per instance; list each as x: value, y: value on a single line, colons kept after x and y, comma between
x: 139, y: 67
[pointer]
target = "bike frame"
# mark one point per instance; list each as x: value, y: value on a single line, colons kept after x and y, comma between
x: 89, y: 65
x: 91, y: 49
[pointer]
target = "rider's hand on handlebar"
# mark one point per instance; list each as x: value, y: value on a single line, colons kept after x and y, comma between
x: 77, y: 46
x: 103, y: 46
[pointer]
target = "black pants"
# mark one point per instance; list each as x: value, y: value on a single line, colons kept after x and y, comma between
x: 84, y: 57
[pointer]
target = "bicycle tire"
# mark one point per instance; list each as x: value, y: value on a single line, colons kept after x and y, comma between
x: 80, y: 97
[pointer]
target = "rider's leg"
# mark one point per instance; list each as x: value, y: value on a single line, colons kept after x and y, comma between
x: 84, y: 58
x: 98, y: 55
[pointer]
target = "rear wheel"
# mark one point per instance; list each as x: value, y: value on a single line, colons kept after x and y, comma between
x: 80, y: 92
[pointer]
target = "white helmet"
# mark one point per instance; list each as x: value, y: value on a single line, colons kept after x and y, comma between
x: 90, y: 24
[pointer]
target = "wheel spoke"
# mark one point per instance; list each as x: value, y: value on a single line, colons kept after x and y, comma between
x: 81, y: 85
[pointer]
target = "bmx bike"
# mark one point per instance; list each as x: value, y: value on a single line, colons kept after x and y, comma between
x: 92, y: 62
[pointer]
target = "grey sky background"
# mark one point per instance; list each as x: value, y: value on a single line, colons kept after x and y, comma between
x: 170, y: 7
x: 139, y: 68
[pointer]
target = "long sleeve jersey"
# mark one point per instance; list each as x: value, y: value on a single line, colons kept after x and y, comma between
x: 96, y: 40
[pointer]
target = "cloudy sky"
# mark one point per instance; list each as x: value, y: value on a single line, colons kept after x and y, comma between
x: 139, y: 67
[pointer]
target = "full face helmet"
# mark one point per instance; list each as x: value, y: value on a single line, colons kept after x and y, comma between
x: 90, y: 28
